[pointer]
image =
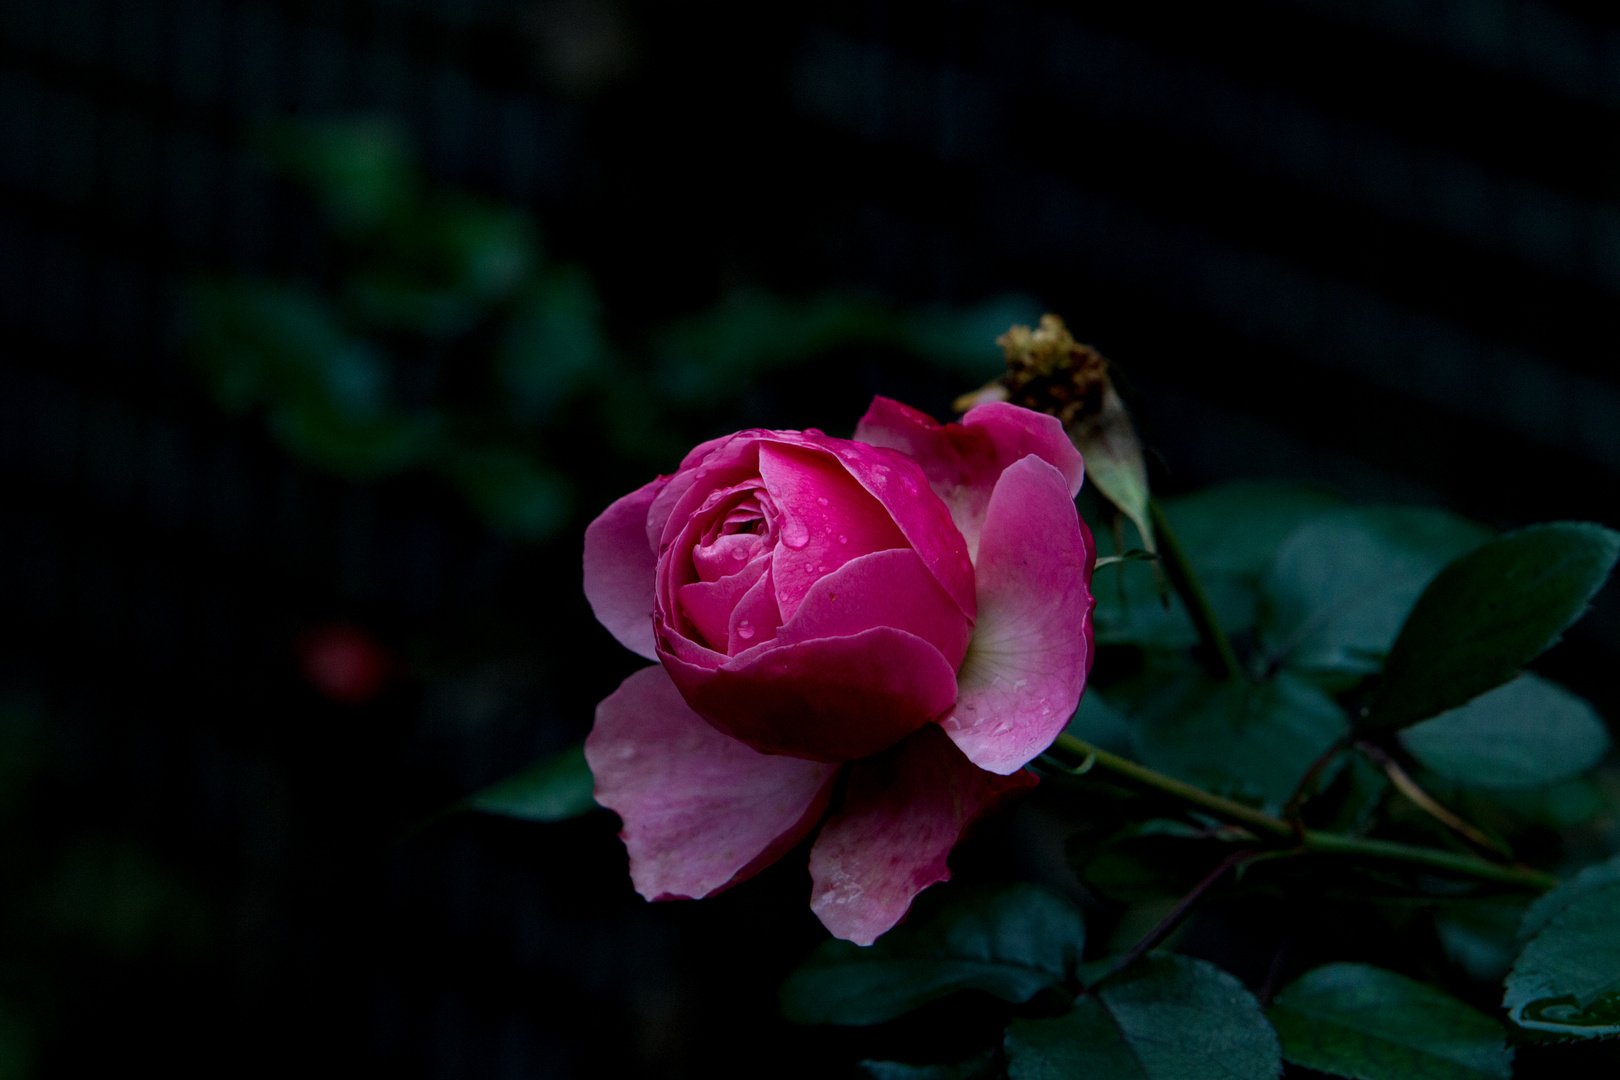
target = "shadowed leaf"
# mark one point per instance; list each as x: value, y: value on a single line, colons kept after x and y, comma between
x: 1165, y: 1018
x: 1489, y: 613
x: 1336, y: 591
x: 1011, y: 942
x: 1246, y: 740
x: 1525, y: 734
x: 1567, y: 979
x: 554, y: 789
x: 1360, y: 1021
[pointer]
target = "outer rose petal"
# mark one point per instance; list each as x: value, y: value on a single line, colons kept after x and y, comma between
x: 830, y: 699
x: 898, y: 483
x: 963, y: 461
x: 903, y: 812
x: 701, y: 811
x: 884, y: 588
x: 621, y: 567
x: 1031, y: 647
x: 826, y: 519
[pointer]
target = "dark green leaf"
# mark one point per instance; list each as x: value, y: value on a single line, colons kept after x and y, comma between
x: 985, y: 1066
x: 1542, y: 911
x: 1164, y: 1018
x: 554, y: 789
x: 1228, y: 534
x: 1129, y: 611
x: 1100, y: 724
x: 1488, y: 614
x: 1336, y: 591
x: 1559, y: 806
x: 1359, y: 1021
x: 1246, y: 740
x: 1479, y: 936
x: 1011, y: 942
x: 1233, y: 530
x: 1525, y: 734
x: 1154, y: 859
x: 1567, y: 979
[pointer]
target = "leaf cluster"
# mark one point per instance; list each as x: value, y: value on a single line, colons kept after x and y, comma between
x: 1381, y: 760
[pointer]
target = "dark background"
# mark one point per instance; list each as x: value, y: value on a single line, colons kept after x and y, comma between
x: 1375, y: 245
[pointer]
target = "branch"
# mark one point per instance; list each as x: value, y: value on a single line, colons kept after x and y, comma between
x: 1265, y: 825
x: 1183, y: 906
x: 1428, y: 804
x: 1181, y: 575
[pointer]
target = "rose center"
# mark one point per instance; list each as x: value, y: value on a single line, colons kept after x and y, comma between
x: 737, y: 535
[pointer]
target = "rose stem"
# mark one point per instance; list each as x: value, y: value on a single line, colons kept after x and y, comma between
x: 1181, y: 575
x: 1310, y: 839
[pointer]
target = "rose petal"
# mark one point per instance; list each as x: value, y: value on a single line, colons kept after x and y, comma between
x: 679, y: 483
x: 830, y: 699
x: 1031, y: 647
x: 724, y: 463
x: 899, y: 484
x: 827, y: 518
x: 620, y: 569
x: 756, y: 617
x: 885, y: 588
x: 903, y: 812
x: 701, y: 811
x: 709, y: 604
x: 963, y: 461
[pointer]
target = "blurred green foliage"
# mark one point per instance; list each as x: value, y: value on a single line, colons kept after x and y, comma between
x: 92, y: 903
x: 447, y: 341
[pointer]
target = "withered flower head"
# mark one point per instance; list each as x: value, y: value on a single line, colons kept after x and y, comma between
x: 1050, y: 372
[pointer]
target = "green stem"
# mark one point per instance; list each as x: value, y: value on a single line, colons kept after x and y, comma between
x: 1180, y: 573
x: 1257, y: 820
x: 1325, y: 843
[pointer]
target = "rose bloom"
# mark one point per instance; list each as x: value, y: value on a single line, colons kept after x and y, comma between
x: 889, y: 628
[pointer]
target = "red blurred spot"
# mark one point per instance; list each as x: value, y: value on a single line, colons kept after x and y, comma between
x: 344, y: 663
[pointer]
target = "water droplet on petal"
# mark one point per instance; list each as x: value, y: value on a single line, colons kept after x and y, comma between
x: 745, y: 629
x: 795, y: 535
x: 822, y: 499
x: 842, y: 539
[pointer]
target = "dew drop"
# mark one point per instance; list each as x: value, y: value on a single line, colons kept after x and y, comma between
x: 842, y: 539
x: 795, y: 535
x: 822, y: 499
x: 745, y: 629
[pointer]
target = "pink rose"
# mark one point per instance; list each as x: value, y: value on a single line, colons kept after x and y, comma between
x: 911, y: 609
